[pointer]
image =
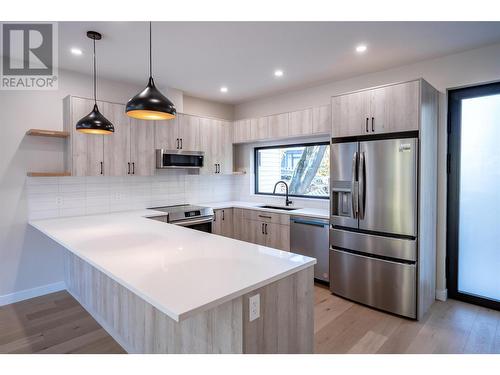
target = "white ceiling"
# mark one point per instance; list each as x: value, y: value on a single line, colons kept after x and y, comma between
x: 200, y: 57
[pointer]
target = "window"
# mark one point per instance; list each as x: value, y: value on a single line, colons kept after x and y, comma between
x: 304, y: 167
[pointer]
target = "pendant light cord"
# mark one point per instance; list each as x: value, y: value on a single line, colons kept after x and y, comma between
x: 95, y: 80
x: 150, y: 53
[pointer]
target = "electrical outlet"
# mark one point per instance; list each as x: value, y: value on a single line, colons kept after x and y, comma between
x: 254, y: 307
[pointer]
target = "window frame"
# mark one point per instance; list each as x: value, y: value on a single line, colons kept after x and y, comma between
x: 256, y: 168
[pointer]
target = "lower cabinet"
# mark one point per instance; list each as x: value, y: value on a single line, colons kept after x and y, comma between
x: 223, y: 222
x: 262, y: 228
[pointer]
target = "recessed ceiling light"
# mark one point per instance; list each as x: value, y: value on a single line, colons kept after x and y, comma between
x: 223, y: 89
x: 76, y: 51
x: 361, y: 48
x: 278, y: 73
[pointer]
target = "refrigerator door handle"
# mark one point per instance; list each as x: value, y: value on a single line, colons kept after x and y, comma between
x: 354, y: 185
x: 362, y: 187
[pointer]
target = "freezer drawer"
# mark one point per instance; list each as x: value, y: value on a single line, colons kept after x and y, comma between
x: 383, y: 284
x: 309, y: 236
x: 396, y: 248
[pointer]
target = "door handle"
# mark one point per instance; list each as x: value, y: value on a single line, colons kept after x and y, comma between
x: 215, y: 216
x: 101, y: 167
x: 354, y: 193
x: 265, y: 228
x: 215, y: 167
x: 128, y: 170
x: 265, y: 217
x: 367, y: 124
x: 177, y: 143
x: 362, y: 188
x: 133, y: 167
x: 373, y: 122
x: 222, y: 215
x: 181, y: 143
x: 262, y: 228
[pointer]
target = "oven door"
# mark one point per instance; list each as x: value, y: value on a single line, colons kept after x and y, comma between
x: 203, y: 224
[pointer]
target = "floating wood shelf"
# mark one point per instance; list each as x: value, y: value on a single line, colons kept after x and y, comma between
x: 48, y: 133
x: 48, y: 174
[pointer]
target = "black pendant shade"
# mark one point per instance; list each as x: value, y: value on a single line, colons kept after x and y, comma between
x: 150, y: 103
x: 95, y: 122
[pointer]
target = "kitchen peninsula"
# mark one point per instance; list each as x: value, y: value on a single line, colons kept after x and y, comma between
x: 161, y: 288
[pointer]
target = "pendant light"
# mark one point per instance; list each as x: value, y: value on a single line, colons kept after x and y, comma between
x: 150, y: 103
x: 95, y: 122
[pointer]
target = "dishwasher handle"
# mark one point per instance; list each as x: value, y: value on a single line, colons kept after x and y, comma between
x: 315, y: 223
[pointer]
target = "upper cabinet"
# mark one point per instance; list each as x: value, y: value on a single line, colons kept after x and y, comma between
x: 307, y: 122
x: 142, y: 147
x: 387, y: 109
x: 242, y: 131
x: 181, y: 133
x: 322, y: 120
x: 216, y: 137
x: 300, y: 123
x: 259, y: 128
x: 278, y: 126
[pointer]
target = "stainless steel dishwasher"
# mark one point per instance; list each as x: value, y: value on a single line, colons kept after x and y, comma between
x: 309, y: 236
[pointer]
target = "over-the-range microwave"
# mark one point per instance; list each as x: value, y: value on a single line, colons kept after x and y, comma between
x: 179, y: 159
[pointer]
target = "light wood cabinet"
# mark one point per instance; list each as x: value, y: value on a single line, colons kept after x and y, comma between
x: 300, y: 123
x: 167, y: 134
x: 322, y: 120
x: 277, y: 236
x: 242, y: 131
x: 181, y: 133
x: 85, y: 152
x: 189, y: 132
x: 142, y: 147
x: 223, y: 222
x: 395, y: 108
x: 350, y: 113
x: 387, y: 109
x: 259, y: 128
x: 117, y: 145
x: 253, y: 232
x: 216, y: 141
x: 278, y: 126
x: 238, y: 223
x: 209, y: 143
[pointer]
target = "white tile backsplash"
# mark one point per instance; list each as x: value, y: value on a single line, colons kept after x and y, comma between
x: 71, y: 196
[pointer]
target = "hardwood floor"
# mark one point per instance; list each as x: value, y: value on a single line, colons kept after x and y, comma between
x: 342, y: 326
x: 56, y: 323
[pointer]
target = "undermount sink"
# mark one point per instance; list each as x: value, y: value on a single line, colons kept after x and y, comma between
x: 279, y: 208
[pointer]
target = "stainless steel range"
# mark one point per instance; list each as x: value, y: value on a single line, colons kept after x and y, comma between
x: 186, y: 215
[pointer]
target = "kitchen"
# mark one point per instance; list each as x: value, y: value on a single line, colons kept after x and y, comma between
x: 237, y: 224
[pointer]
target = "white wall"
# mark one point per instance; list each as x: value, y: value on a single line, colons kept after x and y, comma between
x: 28, y: 259
x: 466, y: 68
x: 207, y: 108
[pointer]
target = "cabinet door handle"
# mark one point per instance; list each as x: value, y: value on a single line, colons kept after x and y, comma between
x: 265, y: 228
x: 177, y: 143
x: 222, y: 215
x: 367, y: 124
x: 101, y: 167
x: 181, y: 143
x: 373, y: 124
x: 215, y: 216
x: 128, y: 171
x: 265, y: 217
x: 133, y: 168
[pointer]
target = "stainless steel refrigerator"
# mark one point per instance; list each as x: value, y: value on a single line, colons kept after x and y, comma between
x: 373, y: 223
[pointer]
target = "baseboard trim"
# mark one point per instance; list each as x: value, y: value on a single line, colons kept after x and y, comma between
x: 22, y: 295
x: 441, y: 294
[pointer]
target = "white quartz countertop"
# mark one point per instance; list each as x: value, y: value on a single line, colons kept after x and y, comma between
x: 310, y: 212
x: 178, y: 270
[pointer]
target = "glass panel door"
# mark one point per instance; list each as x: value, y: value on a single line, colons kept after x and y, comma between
x: 474, y: 195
